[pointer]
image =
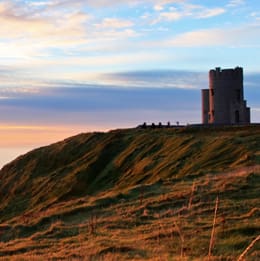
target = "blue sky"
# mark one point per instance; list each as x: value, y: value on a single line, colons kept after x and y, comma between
x: 76, y: 66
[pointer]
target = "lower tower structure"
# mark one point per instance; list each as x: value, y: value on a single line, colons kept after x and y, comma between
x: 223, y: 102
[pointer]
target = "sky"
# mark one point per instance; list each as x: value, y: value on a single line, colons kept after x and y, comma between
x: 72, y: 66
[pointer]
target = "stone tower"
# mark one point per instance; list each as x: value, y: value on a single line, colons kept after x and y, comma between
x: 223, y: 102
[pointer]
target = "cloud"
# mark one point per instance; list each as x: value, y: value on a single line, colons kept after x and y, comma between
x: 157, y: 79
x: 112, y: 23
x: 43, y: 3
x: 158, y: 7
x: 235, y: 3
x: 207, y: 13
x: 177, y: 79
x: 172, y: 15
x: 41, y: 72
x: 185, y: 10
x: 55, y: 28
x: 101, y: 106
x: 255, y: 15
x: 147, y: 92
x: 62, y: 39
x: 143, y: 79
x: 199, y: 38
x: 252, y: 80
x: 146, y: 96
x: 20, y: 22
x: 252, y: 90
x: 112, y: 3
x: 29, y: 32
x: 239, y: 36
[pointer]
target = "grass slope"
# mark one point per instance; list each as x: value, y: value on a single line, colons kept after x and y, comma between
x: 134, y: 194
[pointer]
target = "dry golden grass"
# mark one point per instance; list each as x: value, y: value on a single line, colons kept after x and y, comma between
x: 160, y: 227
x: 152, y: 199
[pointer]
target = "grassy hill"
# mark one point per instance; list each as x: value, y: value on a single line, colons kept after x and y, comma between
x: 134, y: 194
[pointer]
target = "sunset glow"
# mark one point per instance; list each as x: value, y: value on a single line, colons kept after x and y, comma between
x: 77, y: 66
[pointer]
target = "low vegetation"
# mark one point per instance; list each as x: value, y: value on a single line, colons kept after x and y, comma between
x: 139, y: 194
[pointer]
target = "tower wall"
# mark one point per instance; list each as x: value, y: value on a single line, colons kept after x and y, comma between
x: 226, y: 97
x: 205, y: 105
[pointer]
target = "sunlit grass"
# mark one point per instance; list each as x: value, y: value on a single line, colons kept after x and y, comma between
x: 134, y: 195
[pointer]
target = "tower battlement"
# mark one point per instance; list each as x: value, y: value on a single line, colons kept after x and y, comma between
x: 223, y: 102
x: 222, y: 74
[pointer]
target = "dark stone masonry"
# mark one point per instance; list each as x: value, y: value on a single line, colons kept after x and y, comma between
x: 223, y: 102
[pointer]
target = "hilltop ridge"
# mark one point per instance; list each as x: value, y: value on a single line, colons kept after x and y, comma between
x: 52, y: 193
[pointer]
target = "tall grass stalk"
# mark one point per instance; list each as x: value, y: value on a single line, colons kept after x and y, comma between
x: 181, y: 237
x: 241, y: 257
x: 212, y: 238
x: 191, y: 195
